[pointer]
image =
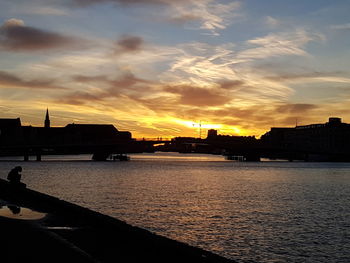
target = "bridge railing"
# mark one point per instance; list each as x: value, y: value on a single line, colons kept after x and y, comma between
x: 157, y: 139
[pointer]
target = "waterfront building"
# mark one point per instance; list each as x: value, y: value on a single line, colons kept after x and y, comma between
x: 15, y: 138
x: 325, y: 141
x: 11, y: 132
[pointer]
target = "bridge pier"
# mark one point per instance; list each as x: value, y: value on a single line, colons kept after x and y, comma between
x: 38, y: 155
x: 252, y: 157
x: 100, y: 156
x: 26, y: 157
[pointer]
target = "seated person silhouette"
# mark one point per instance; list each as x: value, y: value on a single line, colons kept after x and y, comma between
x: 14, y: 176
x: 14, y: 209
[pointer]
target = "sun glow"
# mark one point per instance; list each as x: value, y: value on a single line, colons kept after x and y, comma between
x: 236, y: 130
x: 199, y: 124
x: 222, y: 129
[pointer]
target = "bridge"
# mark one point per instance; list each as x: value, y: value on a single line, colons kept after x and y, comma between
x: 99, y: 151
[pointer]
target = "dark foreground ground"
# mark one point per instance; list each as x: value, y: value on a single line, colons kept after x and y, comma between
x: 70, y: 233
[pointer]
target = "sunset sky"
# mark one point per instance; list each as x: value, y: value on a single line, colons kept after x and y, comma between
x: 159, y: 67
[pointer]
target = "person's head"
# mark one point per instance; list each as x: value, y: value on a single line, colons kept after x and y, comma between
x: 19, y: 168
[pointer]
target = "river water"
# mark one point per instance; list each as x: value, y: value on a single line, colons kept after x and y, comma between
x: 250, y: 212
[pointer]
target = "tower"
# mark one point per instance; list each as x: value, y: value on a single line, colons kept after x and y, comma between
x: 47, y: 119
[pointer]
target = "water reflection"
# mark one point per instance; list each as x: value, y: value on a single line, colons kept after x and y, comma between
x: 17, y: 212
x: 252, y: 212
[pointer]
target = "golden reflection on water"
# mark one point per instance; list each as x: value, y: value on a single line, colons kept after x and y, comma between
x: 16, y: 212
x: 251, y: 211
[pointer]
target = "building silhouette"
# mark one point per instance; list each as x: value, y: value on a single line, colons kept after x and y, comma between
x: 11, y: 132
x: 212, y: 133
x: 318, y: 142
x: 15, y: 138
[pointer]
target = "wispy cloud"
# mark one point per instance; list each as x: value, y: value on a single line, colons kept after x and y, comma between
x: 336, y: 77
x: 38, y: 9
x: 282, y: 44
x: 42, y: 10
x: 8, y: 80
x: 271, y: 21
x: 125, y: 2
x: 102, y: 88
x: 204, y: 63
x: 197, y: 96
x: 296, y: 108
x: 212, y: 66
x: 208, y: 15
x: 211, y: 15
x: 341, y: 27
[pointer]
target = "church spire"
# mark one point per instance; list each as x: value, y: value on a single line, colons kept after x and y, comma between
x: 47, y: 119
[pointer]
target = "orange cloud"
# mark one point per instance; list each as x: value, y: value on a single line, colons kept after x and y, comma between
x: 196, y: 96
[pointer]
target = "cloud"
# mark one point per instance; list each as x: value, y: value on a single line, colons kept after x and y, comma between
x: 152, y: 95
x: 161, y: 104
x: 37, y: 8
x: 129, y: 44
x: 209, y: 14
x: 78, y: 98
x: 199, y: 80
x: 184, y: 18
x: 13, y: 22
x: 299, y: 108
x: 294, y: 76
x: 125, y: 2
x: 101, y: 88
x: 197, y: 96
x: 8, y: 80
x: 272, y: 22
x: 16, y: 36
x: 232, y: 84
x: 125, y: 81
x: 337, y: 77
x: 219, y: 102
x: 282, y: 44
x: 341, y: 27
x: 205, y: 65
x: 89, y: 79
x: 46, y: 10
x: 217, y: 16
x: 255, y: 118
